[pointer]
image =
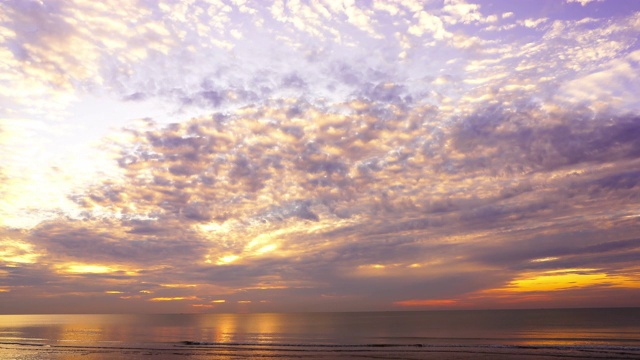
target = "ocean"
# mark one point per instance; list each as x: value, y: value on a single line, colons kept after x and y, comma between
x: 575, y: 333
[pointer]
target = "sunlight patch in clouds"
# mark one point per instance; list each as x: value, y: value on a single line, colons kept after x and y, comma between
x: 13, y: 251
x: 227, y: 259
x: 87, y: 269
x: 176, y: 298
x: 569, y: 278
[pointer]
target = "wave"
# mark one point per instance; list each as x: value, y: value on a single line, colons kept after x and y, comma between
x: 189, y: 343
x: 180, y: 350
x: 275, y: 345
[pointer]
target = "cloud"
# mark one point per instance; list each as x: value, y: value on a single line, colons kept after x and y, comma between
x: 428, y: 23
x: 461, y: 11
x: 351, y: 203
x: 582, y: 2
x: 129, y: 242
x: 607, y: 87
x: 533, y: 23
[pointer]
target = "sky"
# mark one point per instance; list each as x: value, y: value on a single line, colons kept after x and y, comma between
x: 320, y: 155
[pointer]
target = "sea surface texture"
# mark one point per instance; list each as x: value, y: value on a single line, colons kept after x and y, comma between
x: 557, y: 333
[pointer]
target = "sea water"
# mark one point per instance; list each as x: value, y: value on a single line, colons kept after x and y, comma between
x: 601, y: 329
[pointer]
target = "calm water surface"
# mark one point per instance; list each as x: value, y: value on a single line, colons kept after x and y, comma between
x: 563, y: 327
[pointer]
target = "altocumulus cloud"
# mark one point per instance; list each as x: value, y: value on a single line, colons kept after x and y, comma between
x: 316, y: 156
x: 365, y: 202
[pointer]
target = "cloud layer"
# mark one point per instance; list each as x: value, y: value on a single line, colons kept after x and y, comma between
x: 316, y: 156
